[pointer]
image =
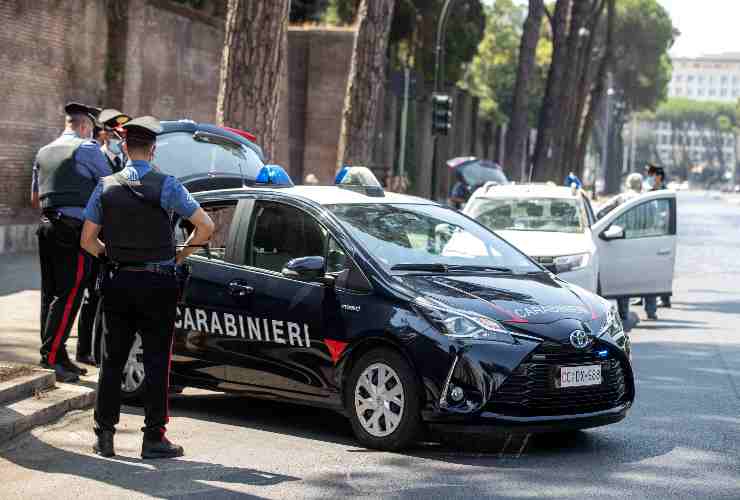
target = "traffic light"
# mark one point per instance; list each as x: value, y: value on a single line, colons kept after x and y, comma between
x: 441, y: 114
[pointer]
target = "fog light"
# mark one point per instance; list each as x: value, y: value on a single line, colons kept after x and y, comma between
x: 456, y: 394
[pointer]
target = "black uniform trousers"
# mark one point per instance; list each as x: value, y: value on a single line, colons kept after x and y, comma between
x: 144, y: 302
x: 88, y: 309
x: 65, y: 270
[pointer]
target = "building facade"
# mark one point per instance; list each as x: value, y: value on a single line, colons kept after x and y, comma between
x: 706, y: 78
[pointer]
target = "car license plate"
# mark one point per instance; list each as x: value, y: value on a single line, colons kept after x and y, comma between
x: 579, y: 376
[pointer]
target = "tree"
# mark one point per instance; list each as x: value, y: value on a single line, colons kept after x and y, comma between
x: 414, y: 29
x: 518, y: 129
x: 542, y: 168
x: 492, y: 74
x: 253, y: 66
x: 698, y: 123
x: 366, y: 80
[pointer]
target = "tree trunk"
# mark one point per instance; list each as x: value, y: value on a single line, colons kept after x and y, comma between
x: 366, y: 80
x: 252, y: 68
x: 516, y: 137
x: 599, y: 89
x: 543, y: 164
x: 579, y: 83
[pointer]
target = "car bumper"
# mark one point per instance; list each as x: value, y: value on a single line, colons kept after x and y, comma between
x: 491, y: 423
x: 585, y: 278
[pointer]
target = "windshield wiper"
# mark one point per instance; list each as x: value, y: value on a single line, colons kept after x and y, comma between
x: 472, y: 267
x: 433, y: 268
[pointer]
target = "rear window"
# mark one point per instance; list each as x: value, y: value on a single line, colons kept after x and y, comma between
x: 179, y: 154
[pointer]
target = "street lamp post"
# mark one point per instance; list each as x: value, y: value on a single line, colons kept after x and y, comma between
x: 438, y: 65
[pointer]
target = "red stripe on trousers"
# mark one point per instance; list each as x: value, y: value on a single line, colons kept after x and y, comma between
x: 67, y: 309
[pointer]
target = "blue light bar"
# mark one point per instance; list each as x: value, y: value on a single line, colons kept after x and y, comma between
x: 603, y: 353
x: 274, y: 175
x: 360, y: 179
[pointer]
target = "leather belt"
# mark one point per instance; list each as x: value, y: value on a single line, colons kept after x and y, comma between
x: 165, y: 269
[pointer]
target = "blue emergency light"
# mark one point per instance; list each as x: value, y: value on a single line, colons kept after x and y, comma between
x: 360, y: 179
x: 273, y: 175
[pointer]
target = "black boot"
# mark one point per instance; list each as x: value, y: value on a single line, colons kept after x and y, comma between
x: 63, y: 374
x: 63, y: 359
x: 103, y: 446
x: 160, y: 449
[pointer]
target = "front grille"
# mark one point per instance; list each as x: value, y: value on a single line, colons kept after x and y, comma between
x: 531, y: 391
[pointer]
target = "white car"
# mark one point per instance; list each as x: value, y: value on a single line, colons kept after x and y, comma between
x: 630, y: 252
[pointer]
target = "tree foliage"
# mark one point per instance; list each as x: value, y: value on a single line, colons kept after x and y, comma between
x: 698, y: 123
x: 643, y: 34
x: 491, y: 75
x: 414, y: 30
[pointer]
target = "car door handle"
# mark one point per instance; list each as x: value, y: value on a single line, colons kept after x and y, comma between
x: 664, y: 252
x: 240, y: 289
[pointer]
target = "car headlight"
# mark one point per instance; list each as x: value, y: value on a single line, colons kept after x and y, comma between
x: 614, y: 328
x: 462, y: 324
x: 566, y: 263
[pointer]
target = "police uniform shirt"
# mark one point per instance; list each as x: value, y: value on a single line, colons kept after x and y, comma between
x: 89, y: 161
x: 174, y: 197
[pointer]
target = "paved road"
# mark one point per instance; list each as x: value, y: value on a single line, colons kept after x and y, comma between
x: 682, y: 439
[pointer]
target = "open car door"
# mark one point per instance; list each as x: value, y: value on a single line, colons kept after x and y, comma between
x: 636, y: 243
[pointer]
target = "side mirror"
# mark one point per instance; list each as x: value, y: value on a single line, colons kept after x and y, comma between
x: 613, y: 232
x: 305, y: 269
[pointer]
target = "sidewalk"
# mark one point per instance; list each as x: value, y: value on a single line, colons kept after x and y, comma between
x: 20, y: 295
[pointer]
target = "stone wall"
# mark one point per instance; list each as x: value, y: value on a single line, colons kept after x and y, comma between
x: 57, y: 51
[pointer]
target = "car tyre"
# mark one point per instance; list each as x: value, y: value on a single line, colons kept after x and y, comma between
x: 383, y: 400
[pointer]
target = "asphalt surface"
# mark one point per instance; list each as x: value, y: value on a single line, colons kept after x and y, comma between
x: 681, y: 440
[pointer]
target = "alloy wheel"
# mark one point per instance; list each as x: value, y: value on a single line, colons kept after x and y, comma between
x: 133, y: 371
x: 379, y: 400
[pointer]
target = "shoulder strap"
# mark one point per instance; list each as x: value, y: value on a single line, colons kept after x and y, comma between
x: 120, y: 178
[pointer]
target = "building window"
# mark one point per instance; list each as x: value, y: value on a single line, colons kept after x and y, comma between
x: 690, y: 78
x: 679, y: 78
x: 689, y: 91
x: 700, y: 78
x: 724, y: 79
x: 735, y: 92
x: 723, y: 92
x: 712, y: 92
x: 735, y: 79
x: 700, y: 92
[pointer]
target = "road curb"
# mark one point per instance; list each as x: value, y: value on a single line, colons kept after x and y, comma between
x: 42, y: 408
x: 26, y: 386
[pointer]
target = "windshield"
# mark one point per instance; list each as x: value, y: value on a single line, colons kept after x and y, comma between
x: 478, y: 173
x: 181, y: 155
x: 406, y: 235
x: 561, y: 215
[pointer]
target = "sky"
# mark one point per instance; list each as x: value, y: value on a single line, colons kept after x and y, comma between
x: 706, y: 26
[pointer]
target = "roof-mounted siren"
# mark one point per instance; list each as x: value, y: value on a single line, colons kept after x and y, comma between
x: 360, y: 179
x: 273, y: 175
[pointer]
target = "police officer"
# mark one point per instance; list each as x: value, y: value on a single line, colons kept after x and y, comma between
x: 109, y: 137
x: 140, y: 292
x: 65, y: 174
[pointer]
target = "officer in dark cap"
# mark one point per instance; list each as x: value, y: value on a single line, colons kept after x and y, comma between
x: 110, y: 132
x: 110, y: 140
x: 65, y: 174
x: 140, y: 291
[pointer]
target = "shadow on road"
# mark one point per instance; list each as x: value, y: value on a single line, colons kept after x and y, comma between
x: 720, y: 306
x: 171, y: 479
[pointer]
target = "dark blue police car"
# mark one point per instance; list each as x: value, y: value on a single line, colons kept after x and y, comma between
x: 391, y: 309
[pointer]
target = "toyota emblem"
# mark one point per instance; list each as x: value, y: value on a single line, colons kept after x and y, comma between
x: 579, y: 339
